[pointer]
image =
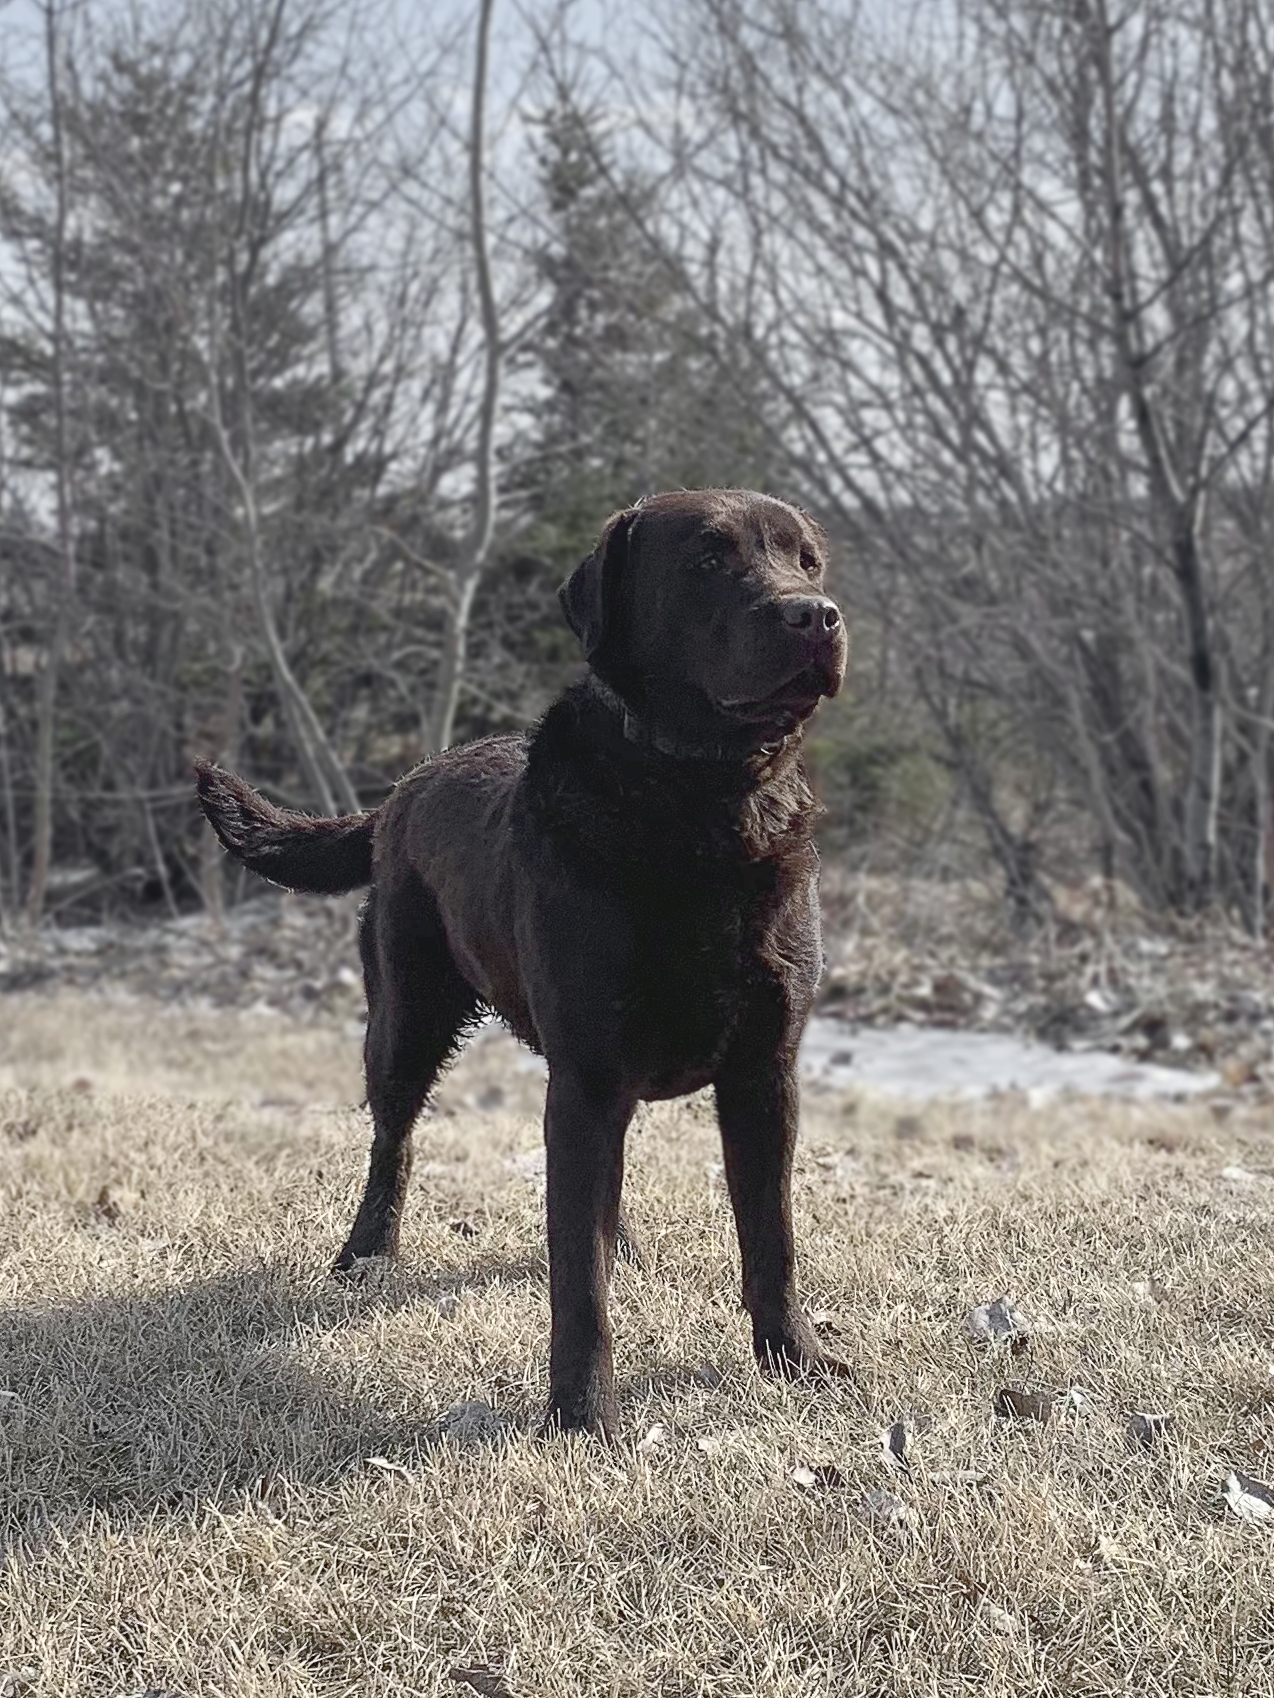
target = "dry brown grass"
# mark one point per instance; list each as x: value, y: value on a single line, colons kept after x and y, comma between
x: 222, y: 1474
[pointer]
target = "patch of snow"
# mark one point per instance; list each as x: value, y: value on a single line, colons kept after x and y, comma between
x: 922, y: 1062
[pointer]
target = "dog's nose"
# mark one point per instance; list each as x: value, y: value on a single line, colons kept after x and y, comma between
x: 813, y: 613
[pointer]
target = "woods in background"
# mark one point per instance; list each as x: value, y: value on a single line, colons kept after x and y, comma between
x: 321, y: 363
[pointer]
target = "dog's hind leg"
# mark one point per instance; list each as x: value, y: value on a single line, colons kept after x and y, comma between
x: 418, y: 1005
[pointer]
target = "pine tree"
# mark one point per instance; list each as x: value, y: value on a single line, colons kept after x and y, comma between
x: 629, y: 397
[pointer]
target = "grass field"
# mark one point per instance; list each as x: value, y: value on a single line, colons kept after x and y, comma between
x: 220, y: 1473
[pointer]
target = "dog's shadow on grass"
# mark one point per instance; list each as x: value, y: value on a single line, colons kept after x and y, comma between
x: 200, y: 1392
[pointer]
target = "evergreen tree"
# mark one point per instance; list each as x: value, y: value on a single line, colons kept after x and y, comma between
x: 628, y: 396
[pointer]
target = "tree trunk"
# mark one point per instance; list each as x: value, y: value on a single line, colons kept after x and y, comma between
x: 477, y: 544
x: 219, y: 741
x: 1178, y: 502
x: 64, y: 578
x: 324, y: 773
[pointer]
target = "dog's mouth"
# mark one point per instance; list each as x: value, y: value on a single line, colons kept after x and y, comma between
x: 792, y: 700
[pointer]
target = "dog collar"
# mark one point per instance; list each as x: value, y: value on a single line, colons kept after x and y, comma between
x: 636, y: 730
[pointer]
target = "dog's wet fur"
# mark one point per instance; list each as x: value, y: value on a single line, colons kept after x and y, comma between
x: 632, y: 886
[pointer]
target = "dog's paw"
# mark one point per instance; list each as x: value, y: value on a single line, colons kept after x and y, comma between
x: 800, y: 1359
x: 824, y: 1367
x: 352, y: 1270
x: 596, y: 1417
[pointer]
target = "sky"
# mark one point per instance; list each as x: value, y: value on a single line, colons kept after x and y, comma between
x: 617, y: 25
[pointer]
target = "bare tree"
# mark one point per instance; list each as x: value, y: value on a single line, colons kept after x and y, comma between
x: 60, y: 612
x: 472, y: 554
x: 1006, y: 299
x: 229, y: 375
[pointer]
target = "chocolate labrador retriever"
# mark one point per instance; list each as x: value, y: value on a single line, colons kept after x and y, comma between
x: 631, y: 886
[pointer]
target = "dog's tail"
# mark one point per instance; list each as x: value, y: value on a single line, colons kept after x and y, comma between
x: 299, y: 851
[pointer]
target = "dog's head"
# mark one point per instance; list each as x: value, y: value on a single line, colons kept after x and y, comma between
x: 704, y: 611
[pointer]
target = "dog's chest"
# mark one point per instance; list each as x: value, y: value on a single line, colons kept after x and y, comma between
x: 673, y: 911
x: 695, y: 961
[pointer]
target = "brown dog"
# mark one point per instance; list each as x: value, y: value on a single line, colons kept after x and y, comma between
x: 631, y: 886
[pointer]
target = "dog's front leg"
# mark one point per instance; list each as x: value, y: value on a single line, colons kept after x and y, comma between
x: 584, y: 1126
x: 758, y: 1110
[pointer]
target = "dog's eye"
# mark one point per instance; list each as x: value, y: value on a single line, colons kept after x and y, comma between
x: 810, y: 562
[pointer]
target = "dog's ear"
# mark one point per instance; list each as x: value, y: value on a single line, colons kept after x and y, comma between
x: 588, y: 595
